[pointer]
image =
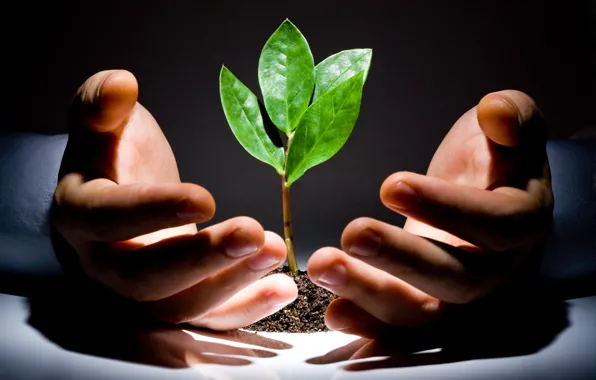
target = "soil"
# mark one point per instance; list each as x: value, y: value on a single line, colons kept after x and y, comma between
x: 305, y: 315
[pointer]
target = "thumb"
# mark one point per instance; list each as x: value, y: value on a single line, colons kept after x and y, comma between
x: 511, y: 118
x: 104, y: 101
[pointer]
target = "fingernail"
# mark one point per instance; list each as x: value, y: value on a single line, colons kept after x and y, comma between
x: 404, y: 196
x: 239, y: 244
x: 277, y: 300
x: 367, y: 243
x: 336, y: 275
x: 261, y: 262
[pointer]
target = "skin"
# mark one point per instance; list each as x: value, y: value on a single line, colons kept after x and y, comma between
x: 474, y: 224
x: 121, y: 206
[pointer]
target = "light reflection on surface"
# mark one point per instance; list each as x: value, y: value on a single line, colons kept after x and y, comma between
x: 185, y: 351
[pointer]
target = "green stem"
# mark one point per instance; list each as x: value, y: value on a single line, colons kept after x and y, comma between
x: 285, y: 200
x: 288, y: 236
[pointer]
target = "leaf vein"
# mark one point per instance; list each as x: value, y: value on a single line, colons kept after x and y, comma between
x: 307, y: 153
x: 251, y: 122
x: 345, y: 71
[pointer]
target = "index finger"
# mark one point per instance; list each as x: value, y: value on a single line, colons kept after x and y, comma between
x: 496, y: 220
x: 101, y: 210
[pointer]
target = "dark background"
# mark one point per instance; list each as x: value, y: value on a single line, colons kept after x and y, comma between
x: 432, y: 61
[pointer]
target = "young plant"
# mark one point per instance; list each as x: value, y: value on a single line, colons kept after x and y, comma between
x: 316, y: 125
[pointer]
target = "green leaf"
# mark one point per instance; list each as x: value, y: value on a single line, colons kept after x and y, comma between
x: 325, y: 127
x: 340, y: 67
x: 286, y: 76
x: 241, y: 108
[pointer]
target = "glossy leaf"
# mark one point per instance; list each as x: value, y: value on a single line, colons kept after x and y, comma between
x: 286, y: 76
x: 242, y: 111
x: 340, y: 67
x: 325, y: 127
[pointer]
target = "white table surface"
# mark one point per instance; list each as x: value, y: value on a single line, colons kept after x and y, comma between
x: 26, y: 353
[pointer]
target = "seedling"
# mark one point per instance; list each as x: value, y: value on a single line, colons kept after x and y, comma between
x: 316, y: 125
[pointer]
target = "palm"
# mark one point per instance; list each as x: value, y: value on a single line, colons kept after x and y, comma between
x: 144, y: 156
x: 134, y: 152
x: 465, y: 157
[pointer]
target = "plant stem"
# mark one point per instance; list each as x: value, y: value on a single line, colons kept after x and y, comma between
x: 288, y: 236
x: 285, y: 200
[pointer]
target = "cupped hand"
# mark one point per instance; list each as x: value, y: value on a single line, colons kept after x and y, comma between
x: 121, y: 206
x: 475, y: 223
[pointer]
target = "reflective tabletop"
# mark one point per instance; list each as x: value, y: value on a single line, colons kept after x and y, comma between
x: 49, y: 337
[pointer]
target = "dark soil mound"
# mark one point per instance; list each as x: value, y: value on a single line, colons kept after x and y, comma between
x: 305, y: 315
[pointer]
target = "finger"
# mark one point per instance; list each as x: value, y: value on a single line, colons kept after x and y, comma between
x: 104, y: 102
x: 511, y: 118
x: 384, y: 296
x: 498, y: 220
x: 345, y: 316
x: 445, y: 272
x: 172, y: 265
x: 100, y: 210
x: 198, y: 300
x: 249, y: 305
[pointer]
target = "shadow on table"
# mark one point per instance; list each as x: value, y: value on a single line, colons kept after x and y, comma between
x: 483, y: 330
x: 79, y: 322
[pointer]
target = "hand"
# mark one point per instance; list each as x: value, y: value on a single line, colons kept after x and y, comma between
x: 474, y: 224
x: 121, y: 206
